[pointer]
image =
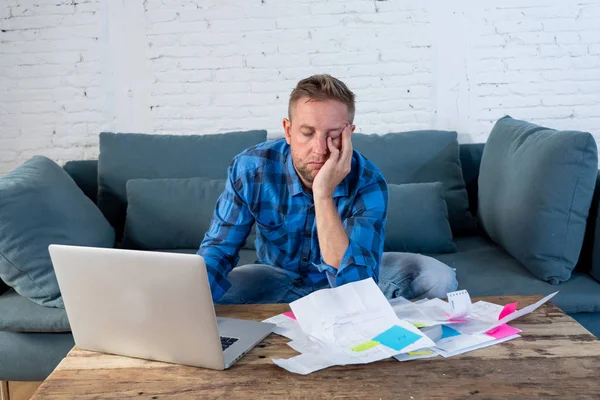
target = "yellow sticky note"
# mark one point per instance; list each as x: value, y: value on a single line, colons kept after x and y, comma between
x: 419, y: 353
x: 419, y: 325
x: 365, y: 346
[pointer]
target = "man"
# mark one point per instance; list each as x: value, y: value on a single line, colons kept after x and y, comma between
x: 320, y: 212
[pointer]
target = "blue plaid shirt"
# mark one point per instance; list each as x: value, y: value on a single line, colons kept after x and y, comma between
x: 264, y: 188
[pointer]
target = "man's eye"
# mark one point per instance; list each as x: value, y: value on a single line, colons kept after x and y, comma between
x: 306, y: 133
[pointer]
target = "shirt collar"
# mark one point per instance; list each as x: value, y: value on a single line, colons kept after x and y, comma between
x: 293, y: 180
x: 295, y: 184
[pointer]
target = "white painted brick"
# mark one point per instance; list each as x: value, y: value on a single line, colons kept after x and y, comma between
x: 589, y: 62
x: 590, y: 37
x: 532, y: 38
x: 183, y: 76
x: 219, y: 65
x: 538, y: 64
x: 210, y: 63
x: 580, y: 75
x: 267, y: 61
x: 518, y: 26
x: 241, y: 25
x: 552, y: 11
x: 345, y: 58
x: 161, y: 28
x: 348, y: 7
x: 564, y: 38
x: 573, y: 100
x: 153, y: 16
x: 563, y: 51
x: 179, y: 51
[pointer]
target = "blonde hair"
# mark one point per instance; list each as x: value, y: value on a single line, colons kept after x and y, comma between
x: 320, y: 88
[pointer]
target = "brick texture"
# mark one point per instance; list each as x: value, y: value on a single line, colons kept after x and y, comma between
x: 70, y: 69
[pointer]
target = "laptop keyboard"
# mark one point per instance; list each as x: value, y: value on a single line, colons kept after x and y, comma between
x: 227, y: 341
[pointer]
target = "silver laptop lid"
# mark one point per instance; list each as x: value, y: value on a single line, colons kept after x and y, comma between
x: 142, y: 304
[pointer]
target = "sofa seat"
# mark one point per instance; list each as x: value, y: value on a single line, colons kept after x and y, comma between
x: 19, y: 314
x: 485, y: 269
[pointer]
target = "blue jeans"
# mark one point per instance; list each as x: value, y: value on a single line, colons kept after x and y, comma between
x: 411, y: 276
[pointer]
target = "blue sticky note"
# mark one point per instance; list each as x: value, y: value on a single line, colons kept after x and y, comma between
x: 449, y: 332
x: 397, y: 338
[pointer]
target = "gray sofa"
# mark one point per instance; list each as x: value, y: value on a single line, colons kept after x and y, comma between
x: 34, y: 338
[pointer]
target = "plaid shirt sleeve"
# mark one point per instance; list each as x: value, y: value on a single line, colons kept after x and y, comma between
x: 366, y: 233
x: 229, y: 228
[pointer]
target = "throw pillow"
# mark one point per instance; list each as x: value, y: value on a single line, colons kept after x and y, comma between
x: 535, y: 190
x: 41, y: 205
x: 417, y: 219
x: 171, y: 213
x: 133, y: 156
x: 422, y: 156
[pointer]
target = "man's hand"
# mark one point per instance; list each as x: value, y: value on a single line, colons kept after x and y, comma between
x: 336, y: 167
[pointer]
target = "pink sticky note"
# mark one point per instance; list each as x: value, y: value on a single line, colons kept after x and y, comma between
x: 503, y: 331
x: 457, y: 320
x: 289, y: 314
x: 508, y: 309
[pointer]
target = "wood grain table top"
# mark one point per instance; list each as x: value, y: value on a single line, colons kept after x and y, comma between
x: 555, y: 358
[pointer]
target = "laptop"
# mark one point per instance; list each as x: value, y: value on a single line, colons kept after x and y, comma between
x: 149, y: 305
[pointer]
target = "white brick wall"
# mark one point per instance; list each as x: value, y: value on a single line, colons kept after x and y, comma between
x: 72, y: 68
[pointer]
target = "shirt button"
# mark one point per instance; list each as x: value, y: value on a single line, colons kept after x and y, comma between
x: 307, y: 234
x: 304, y: 259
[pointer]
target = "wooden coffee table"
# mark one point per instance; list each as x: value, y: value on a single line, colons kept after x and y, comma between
x: 556, y: 357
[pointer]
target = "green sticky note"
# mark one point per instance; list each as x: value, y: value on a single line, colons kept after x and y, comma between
x: 365, y: 346
x: 419, y: 353
x: 419, y: 325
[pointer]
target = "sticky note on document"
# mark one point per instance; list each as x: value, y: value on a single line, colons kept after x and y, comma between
x: 397, y: 338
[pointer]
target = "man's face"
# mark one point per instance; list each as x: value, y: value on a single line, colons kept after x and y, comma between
x: 312, y: 122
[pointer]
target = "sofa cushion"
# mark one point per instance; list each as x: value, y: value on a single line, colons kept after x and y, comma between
x: 32, y: 356
x: 85, y: 175
x: 19, y: 314
x: 132, y: 156
x: 171, y: 213
x: 417, y: 219
x: 422, y: 156
x: 535, y: 190
x: 41, y: 205
x: 485, y: 269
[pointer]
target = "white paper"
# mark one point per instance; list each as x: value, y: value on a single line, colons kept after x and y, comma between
x: 482, y: 326
x: 317, y: 312
x: 288, y: 327
x: 460, y: 342
x: 460, y: 304
x: 475, y: 347
x: 304, y: 363
x: 416, y: 355
x: 336, y: 321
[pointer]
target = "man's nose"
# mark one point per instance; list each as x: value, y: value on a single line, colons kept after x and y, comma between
x: 321, y: 146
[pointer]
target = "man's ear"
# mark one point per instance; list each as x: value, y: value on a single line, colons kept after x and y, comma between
x: 287, y: 127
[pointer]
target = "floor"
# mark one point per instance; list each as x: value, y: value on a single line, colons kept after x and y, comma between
x: 22, y: 390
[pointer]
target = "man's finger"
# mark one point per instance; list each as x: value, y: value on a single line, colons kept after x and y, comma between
x: 333, y: 151
x: 347, y: 143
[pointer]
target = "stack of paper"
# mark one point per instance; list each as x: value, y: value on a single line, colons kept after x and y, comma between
x: 356, y: 324
x: 351, y: 324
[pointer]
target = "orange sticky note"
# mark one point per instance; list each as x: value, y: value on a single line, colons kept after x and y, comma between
x: 289, y: 314
x: 508, y: 309
x: 502, y: 331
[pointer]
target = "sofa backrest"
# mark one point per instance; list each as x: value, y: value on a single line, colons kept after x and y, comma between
x: 85, y: 173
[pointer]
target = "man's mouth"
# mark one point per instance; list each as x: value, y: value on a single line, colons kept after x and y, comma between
x: 316, y: 164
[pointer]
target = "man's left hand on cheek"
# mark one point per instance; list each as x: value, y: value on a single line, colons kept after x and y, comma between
x: 336, y: 167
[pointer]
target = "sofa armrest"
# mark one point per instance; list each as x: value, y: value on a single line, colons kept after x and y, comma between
x: 589, y: 260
